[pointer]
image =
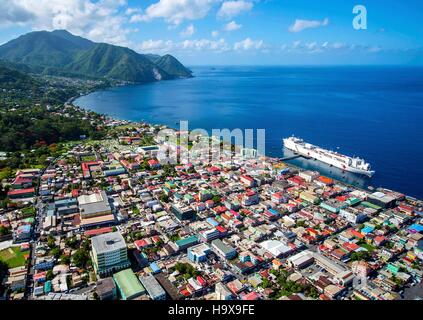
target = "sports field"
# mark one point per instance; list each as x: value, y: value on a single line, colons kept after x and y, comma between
x: 13, y: 257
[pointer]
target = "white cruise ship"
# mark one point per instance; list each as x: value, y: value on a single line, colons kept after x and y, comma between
x: 345, y: 163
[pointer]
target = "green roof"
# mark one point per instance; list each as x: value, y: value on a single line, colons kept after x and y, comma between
x: 371, y: 205
x: 187, y: 241
x: 128, y: 284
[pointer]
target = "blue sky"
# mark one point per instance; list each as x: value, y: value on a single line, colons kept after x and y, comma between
x: 235, y: 31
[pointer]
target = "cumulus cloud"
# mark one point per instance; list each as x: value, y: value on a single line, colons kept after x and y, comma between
x: 156, y: 46
x: 315, y: 47
x: 301, y: 25
x: 188, y: 31
x: 205, y: 44
x: 215, y: 33
x: 249, y: 44
x: 230, y: 9
x: 232, y: 26
x: 177, y: 11
x: 12, y: 12
x: 161, y: 46
x: 97, y: 20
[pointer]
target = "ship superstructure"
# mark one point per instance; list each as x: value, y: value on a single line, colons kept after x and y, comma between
x: 343, y: 162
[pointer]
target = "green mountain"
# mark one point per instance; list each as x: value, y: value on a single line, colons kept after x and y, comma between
x: 63, y: 54
x: 171, y: 65
x: 113, y: 62
x: 16, y: 80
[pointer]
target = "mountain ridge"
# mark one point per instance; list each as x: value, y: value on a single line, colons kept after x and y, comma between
x: 61, y: 53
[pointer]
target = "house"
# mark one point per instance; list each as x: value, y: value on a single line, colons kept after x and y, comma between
x: 223, y: 250
x: 21, y: 193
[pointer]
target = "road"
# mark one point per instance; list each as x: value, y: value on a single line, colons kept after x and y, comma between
x: 39, y: 206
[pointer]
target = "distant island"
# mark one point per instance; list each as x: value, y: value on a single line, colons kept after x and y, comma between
x: 60, y: 53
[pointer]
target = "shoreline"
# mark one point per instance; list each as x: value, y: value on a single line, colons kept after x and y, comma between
x: 368, y: 188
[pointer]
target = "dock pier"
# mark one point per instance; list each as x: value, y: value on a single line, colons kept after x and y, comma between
x: 294, y: 157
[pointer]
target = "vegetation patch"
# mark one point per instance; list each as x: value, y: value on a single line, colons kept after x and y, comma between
x: 13, y: 257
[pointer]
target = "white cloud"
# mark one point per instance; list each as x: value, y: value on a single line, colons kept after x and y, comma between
x: 136, y: 18
x: 232, y: 26
x: 156, y: 46
x: 205, y: 44
x: 97, y: 20
x: 374, y: 49
x: 326, y: 46
x: 301, y: 25
x: 177, y: 11
x: 162, y: 46
x: 249, y: 44
x: 230, y: 9
x: 339, y: 45
x: 188, y: 32
x: 131, y: 11
x: 12, y: 12
x: 215, y: 34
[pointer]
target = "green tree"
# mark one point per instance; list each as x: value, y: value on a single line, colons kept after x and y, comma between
x: 55, y: 252
x: 81, y: 258
x: 49, y: 275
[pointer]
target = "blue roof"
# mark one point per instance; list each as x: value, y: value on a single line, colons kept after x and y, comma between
x: 274, y: 212
x: 416, y: 227
x: 367, y: 229
x: 65, y: 201
x: 212, y: 221
x: 154, y: 267
x: 25, y: 228
x: 47, y: 286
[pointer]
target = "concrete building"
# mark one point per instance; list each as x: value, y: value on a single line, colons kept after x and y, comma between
x: 199, y: 252
x: 223, y: 250
x: 106, y: 289
x: 95, y: 210
x: 109, y: 253
x: 153, y: 288
x: 301, y: 260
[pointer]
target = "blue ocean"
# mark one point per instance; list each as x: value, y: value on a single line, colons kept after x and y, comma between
x: 373, y: 112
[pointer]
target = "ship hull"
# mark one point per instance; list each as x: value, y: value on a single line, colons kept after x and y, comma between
x: 319, y: 156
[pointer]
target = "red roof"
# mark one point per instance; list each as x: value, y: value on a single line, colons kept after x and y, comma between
x: 153, y: 162
x: 40, y: 275
x: 357, y: 234
x: 21, y: 180
x: 221, y: 229
x: 251, y: 296
x: 22, y: 191
x: 75, y: 193
x: 95, y: 232
x: 201, y: 281
x: 351, y: 246
x: 141, y: 244
x: 379, y: 239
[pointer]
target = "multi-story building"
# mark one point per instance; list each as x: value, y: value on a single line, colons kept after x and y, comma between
x: 95, y: 210
x: 199, y: 252
x: 223, y: 250
x: 109, y: 253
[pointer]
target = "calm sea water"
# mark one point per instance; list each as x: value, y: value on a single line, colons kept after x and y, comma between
x: 372, y: 112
